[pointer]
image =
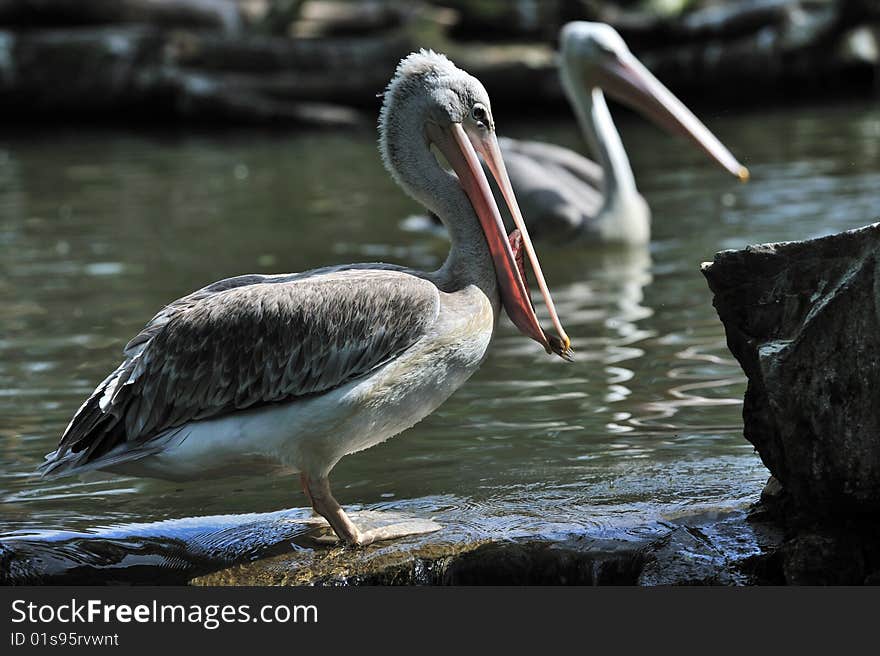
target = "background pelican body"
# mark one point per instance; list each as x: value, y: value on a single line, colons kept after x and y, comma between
x: 565, y: 195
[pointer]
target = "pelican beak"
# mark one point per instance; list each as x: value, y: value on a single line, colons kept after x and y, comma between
x: 460, y: 150
x: 625, y: 78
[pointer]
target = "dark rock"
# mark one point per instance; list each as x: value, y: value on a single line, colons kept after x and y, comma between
x: 335, y: 17
x: 573, y: 561
x: 146, y: 72
x: 772, y: 492
x: 196, y: 59
x: 282, y: 548
x: 833, y: 553
x: 685, y: 557
x: 567, y: 560
x: 822, y: 559
x: 198, y: 14
x: 802, y: 320
x: 724, y: 548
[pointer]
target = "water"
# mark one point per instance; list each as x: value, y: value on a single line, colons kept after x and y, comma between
x: 99, y: 229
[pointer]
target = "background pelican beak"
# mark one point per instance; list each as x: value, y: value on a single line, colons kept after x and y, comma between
x: 459, y: 151
x: 625, y: 78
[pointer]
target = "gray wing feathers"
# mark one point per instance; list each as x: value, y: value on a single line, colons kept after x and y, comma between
x: 547, y: 154
x: 245, y: 342
x: 558, y: 190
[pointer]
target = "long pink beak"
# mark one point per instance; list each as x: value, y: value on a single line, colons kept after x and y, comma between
x: 625, y: 78
x: 456, y: 145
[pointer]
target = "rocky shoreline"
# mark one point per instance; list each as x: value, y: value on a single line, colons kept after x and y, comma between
x: 323, y: 63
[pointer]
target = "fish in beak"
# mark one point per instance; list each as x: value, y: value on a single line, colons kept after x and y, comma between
x: 460, y: 149
x: 626, y: 79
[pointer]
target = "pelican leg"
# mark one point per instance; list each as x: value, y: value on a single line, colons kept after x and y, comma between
x: 318, y: 492
x: 304, y: 482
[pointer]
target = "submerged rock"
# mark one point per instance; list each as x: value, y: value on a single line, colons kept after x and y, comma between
x: 802, y: 319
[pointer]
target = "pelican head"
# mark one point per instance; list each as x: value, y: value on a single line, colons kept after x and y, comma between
x: 594, y: 56
x: 431, y: 102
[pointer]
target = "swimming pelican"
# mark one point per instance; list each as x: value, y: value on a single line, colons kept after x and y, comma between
x: 306, y: 368
x: 565, y: 195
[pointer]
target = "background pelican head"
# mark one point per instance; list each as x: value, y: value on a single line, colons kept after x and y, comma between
x: 595, y: 58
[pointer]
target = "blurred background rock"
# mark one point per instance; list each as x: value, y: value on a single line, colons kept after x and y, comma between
x: 322, y: 62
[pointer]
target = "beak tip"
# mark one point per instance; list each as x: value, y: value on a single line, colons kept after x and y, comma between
x: 561, y: 347
x: 743, y: 174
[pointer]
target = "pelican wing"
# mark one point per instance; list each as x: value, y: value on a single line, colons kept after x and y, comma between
x: 559, y: 191
x: 242, y: 343
x: 555, y: 157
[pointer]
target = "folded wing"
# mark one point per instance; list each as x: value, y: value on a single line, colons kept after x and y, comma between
x: 241, y: 343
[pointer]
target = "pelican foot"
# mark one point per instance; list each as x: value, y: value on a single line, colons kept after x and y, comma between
x: 400, y: 529
x: 318, y: 491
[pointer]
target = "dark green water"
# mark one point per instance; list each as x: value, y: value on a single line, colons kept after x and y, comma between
x: 99, y: 230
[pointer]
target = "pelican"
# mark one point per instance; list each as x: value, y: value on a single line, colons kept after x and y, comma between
x: 302, y: 369
x: 567, y: 197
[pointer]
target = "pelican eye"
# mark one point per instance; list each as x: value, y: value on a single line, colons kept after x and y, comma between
x: 479, y: 113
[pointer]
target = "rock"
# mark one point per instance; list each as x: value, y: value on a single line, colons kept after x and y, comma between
x: 287, y: 548
x: 724, y: 548
x: 821, y: 559
x: 732, y: 19
x: 168, y: 552
x: 802, y: 319
x: 575, y: 560
x: 833, y: 553
x: 685, y: 557
x: 147, y: 72
x: 572, y: 560
x: 199, y: 14
x: 773, y: 491
x: 334, y: 17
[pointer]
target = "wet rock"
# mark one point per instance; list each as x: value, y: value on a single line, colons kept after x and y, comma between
x: 686, y: 557
x: 802, y: 320
x: 716, y: 549
x: 169, y: 552
x: 288, y: 548
x: 576, y: 560
x: 572, y: 560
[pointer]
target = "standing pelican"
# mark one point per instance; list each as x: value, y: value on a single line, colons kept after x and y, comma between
x: 306, y: 368
x: 566, y: 196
